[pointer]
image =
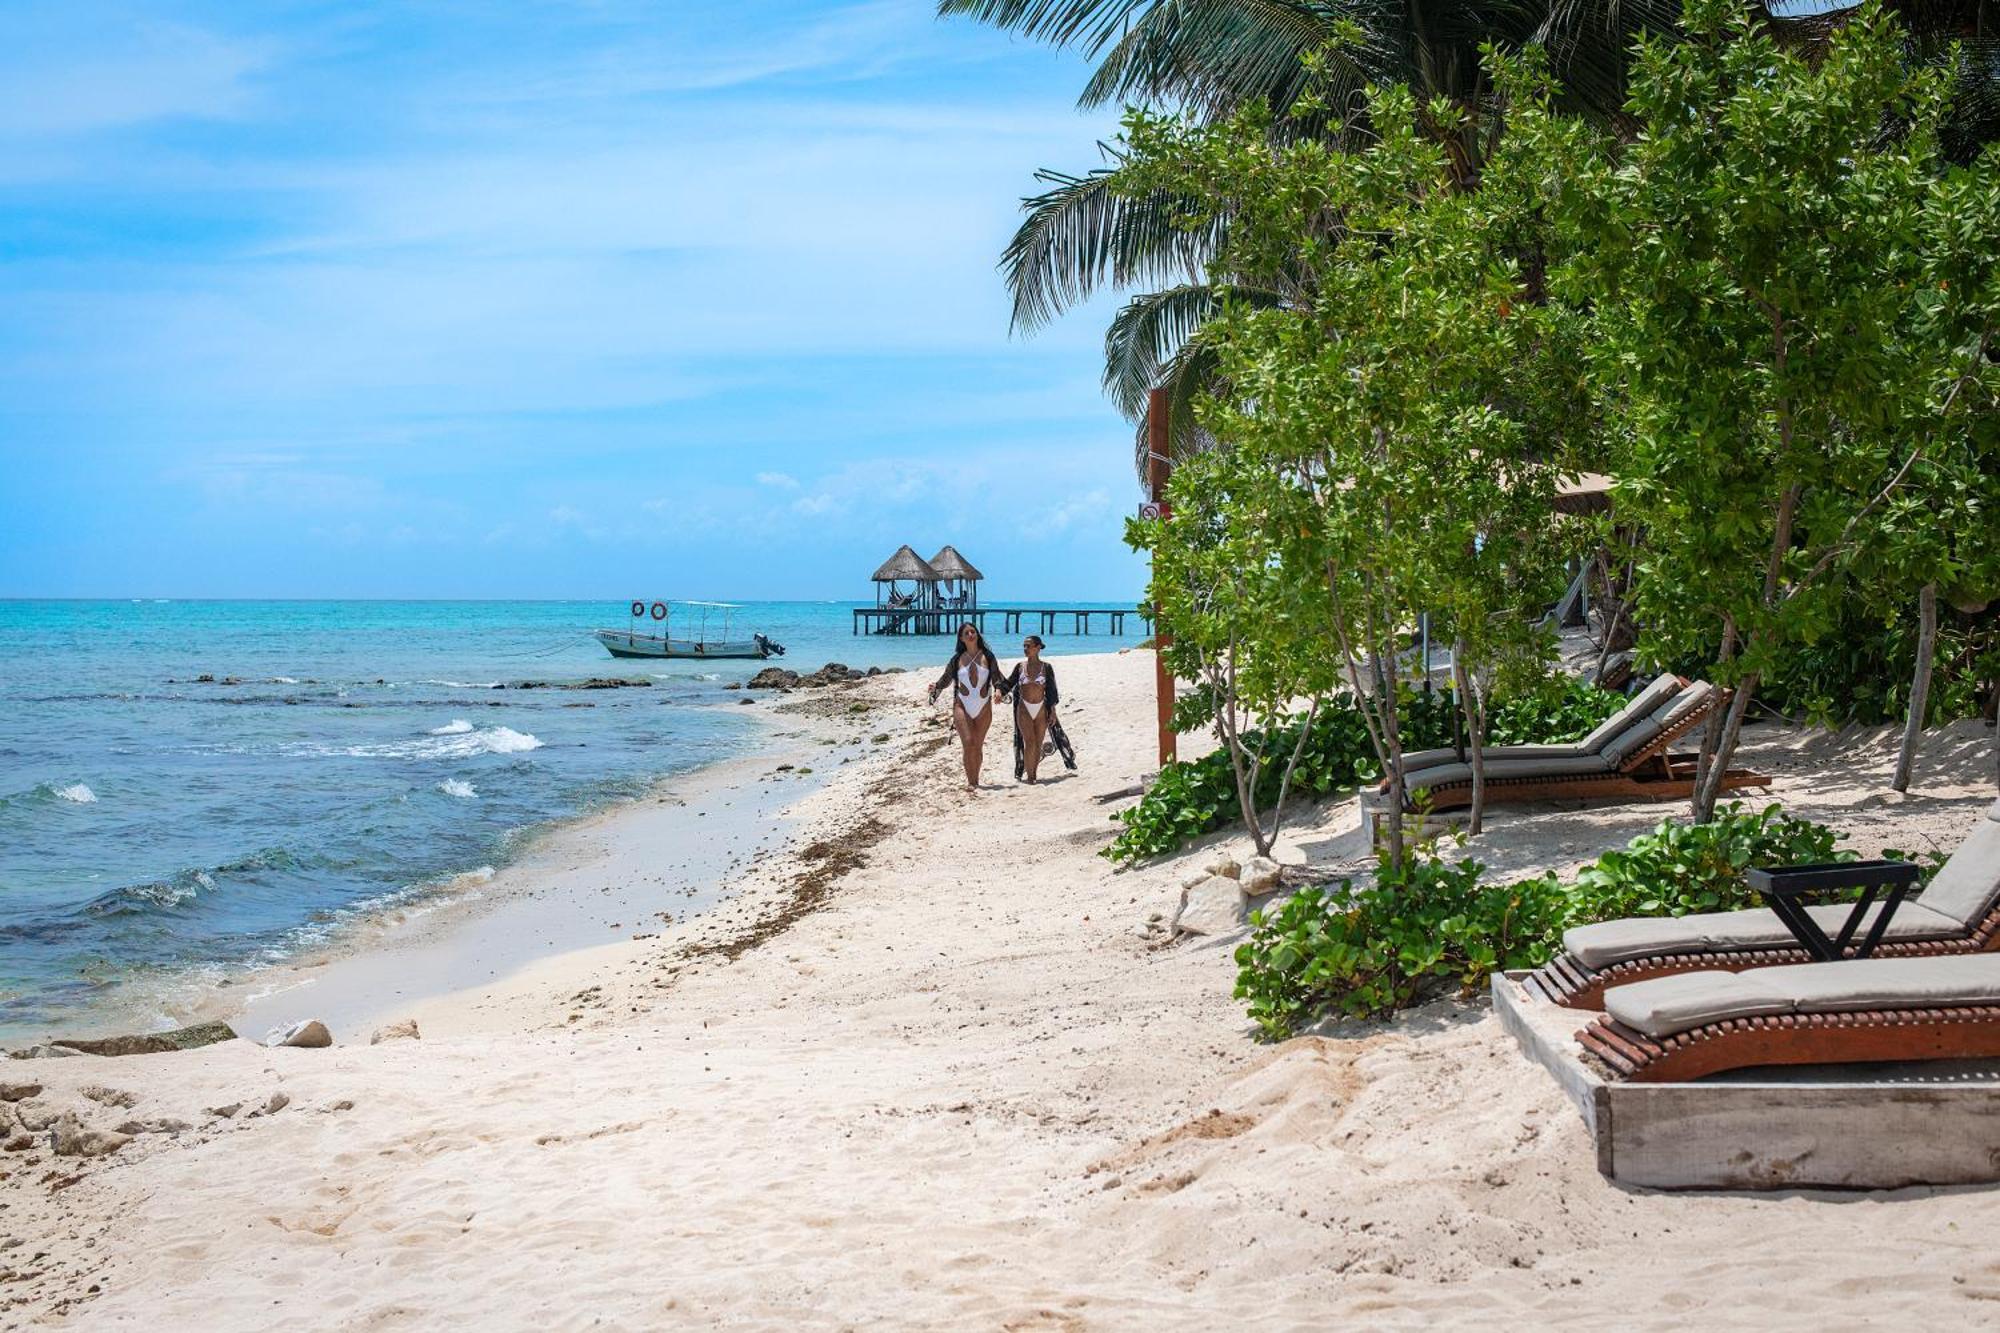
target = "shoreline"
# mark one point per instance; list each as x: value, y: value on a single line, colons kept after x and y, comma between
x: 928, y: 1067
x: 473, y: 926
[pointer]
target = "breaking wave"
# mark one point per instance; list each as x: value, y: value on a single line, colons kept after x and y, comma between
x: 76, y: 793
x: 458, y: 726
x: 463, y: 790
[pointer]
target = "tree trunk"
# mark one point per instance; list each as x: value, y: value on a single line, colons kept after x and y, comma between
x: 1468, y: 707
x: 1708, y: 782
x: 1920, y: 687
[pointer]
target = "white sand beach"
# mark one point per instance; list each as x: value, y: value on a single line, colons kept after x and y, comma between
x: 925, y: 1070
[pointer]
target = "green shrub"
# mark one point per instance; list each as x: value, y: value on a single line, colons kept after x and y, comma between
x: 1679, y: 869
x: 1859, y: 670
x: 1373, y: 950
x: 1188, y: 800
x: 1560, y: 711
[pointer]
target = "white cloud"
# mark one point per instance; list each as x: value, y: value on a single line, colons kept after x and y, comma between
x: 126, y: 73
x: 782, y: 481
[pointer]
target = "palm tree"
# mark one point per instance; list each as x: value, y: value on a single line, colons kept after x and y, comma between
x: 1208, y: 58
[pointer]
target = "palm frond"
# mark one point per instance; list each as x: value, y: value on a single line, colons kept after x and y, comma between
x: 1194, y: 371
x: 1087, y: 24
x: 1151, y: 330
x: 1085, y: 232
x: 1219, y: 54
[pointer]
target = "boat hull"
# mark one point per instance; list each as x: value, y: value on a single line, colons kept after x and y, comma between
x: 620, y: 643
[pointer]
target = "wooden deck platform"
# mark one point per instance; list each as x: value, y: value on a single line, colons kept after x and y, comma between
x: 996, y: 620
x: 1881, y: 1126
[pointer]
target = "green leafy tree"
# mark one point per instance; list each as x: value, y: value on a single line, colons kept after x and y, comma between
x: 1313, y: 61
x: 1402, y: 418
x: 1794, y: 297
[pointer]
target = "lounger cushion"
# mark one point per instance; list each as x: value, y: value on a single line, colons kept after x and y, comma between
x: 1643, y: 703
x: 1892, y: 983
x: 1423, y: 759
x: 1566, y: 766
x: 1667, y: 1005
x: 1607, y: 942
x: 1666, y: 717
x: 1966, y: 889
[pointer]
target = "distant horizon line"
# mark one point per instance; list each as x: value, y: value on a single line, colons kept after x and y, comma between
x: 747, y: 601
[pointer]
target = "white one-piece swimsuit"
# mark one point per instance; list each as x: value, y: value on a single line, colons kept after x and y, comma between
x: 971, y: 683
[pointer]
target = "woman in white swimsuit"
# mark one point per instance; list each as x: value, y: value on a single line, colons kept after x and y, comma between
x: 972, y: 674
x: 1033, y: 685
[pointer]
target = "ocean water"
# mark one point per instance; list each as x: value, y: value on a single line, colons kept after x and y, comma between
x: 346, y: 758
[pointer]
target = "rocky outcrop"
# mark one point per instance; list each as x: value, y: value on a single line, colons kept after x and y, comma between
x: 73, y: 1138
x: 1260, y: 875
x: 150, y: 1043
x: 310, y: 1033
x: 1210, y: 905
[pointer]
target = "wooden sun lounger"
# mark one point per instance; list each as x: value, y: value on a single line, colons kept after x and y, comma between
x: 1627, y: 758
x: 1958, y: 914
x: 1675, y: 1029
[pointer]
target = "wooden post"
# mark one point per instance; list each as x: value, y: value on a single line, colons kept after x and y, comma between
x: 1159, y: 466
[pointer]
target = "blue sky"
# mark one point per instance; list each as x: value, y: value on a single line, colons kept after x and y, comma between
x: 535, y: 300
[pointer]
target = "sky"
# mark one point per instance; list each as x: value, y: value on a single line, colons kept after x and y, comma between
x: 537, y: 299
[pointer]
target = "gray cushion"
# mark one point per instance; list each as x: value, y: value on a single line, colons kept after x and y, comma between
x: 1891, y: 983
x: 1643, y: 703
x: 1422, y: 759
x: 1606, y: 942
x: 1669, y: 716
x: 1966, y: 888
x: 1629, y: 741
x: 1666, y: 1005
x: 1567, y: 765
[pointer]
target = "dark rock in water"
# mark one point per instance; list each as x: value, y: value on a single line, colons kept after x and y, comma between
x: 733, y: 685
x: 874, y: 671
x: 608, y: 683
x: 152, y: 1043
x: 746, y: 701
x: 774, y: 678
x: 205, y: 678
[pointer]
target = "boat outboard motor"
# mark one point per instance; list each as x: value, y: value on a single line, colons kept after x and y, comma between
x: 769, y: 647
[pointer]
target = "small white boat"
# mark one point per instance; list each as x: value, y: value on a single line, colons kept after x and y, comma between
x: 686, y: 630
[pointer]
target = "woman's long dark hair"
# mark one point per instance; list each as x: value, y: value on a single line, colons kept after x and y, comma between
x: 978, y: 647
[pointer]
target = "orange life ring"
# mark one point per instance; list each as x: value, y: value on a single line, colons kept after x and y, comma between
x: 659, y: 610
x: 638, y: 609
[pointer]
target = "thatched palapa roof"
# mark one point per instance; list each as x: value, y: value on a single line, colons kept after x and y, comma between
x: 1583, y: 493
x: 949, y: 564
x: 906, y: 564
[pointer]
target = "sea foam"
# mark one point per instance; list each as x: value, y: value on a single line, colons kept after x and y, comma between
x: 463, y: 790
x: 451, y: 745
x: 458, y: 726
x: 77, y: 793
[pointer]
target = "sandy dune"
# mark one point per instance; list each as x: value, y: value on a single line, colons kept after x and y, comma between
x: 947, y: 1083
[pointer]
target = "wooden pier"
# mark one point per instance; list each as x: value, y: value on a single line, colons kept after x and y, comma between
x: 1008, y: 619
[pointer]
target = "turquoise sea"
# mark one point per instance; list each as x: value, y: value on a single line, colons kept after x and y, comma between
x: 346, y: 757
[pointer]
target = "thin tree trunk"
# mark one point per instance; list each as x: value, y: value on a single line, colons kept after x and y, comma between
x: 1920, y: 687
x: 1709, y: 786
x: 1468, y: 707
